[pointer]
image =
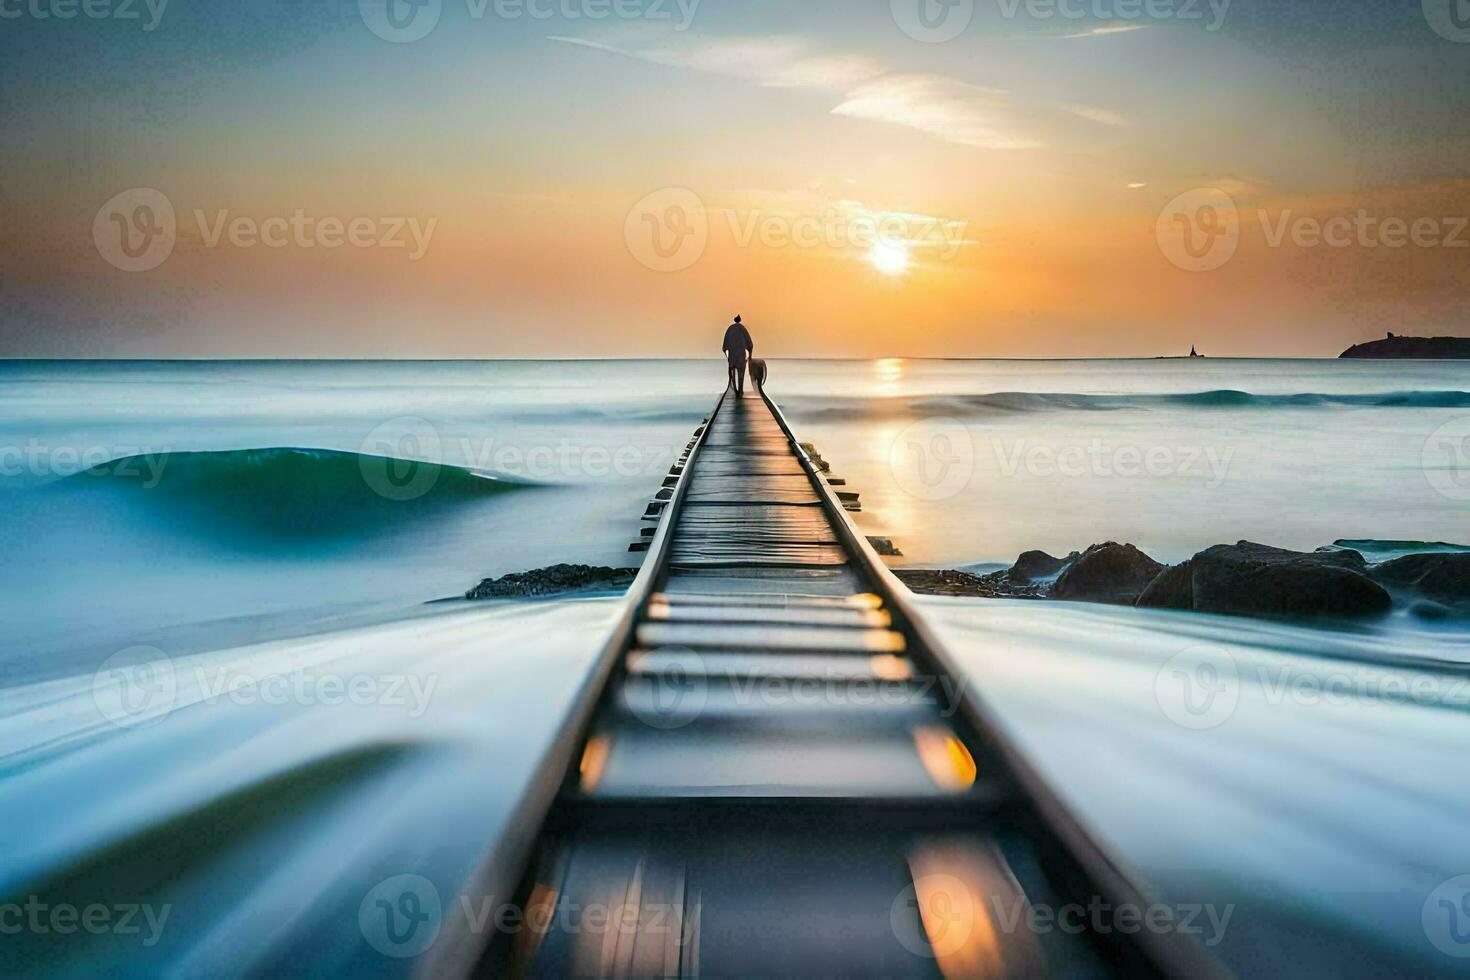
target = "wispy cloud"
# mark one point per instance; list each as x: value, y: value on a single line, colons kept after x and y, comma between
x: 1099, y: 31
x: 772, y: 61
x: 937, y: 105
x: 957, y: 112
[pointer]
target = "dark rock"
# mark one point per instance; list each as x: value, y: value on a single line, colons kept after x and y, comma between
x: 1443, y: 577
x: 1413, y: 347
x: 1111, y: 572
x: 556, y: 580
x: 885, y: 547
x: 964, y: 584
x: 1034, y: 565
x: 1172, y: 589
x: 1248, y: 579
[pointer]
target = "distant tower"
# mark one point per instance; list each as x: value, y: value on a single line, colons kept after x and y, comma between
x: 1194, y: 352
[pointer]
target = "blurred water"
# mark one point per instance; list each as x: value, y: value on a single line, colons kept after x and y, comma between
x: 1308, y: 779
x: 1331, y: 821
x: 959, y: 461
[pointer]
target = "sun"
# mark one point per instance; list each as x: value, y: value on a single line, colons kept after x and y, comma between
x: 889, y: 258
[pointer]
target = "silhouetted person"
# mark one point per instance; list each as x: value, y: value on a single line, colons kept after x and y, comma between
x: 738, y: 348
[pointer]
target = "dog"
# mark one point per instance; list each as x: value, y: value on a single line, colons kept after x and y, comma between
x: 758, y: 372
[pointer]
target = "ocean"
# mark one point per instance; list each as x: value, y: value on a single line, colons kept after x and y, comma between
x: 263, y: 525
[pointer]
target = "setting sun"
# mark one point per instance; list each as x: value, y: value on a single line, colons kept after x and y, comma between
x: 889, y: 258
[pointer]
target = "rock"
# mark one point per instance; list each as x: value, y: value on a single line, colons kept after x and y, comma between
x: 885, y: 547
x: 556, y: 580
x: 1248, y: 579
x: 1172, y: 589
x: 1442, y: 577
x: 965, y: 584
x: 1034, y: 565
x: 1111, y: 572
x: 1414, y: 347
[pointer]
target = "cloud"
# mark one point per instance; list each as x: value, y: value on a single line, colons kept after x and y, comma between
x: 957, y: 112
x: 940, y: 106
x: 772, y: 61
x: 1099, y: 31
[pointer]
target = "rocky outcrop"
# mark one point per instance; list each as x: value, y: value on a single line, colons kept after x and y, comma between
x: 1442, y: 348
x: 1035, y: 565
x: 1112, y: 573
x: 1249, y: 579
x: 556, y: 580
x: 966, y: 584
x: 1441, y: 577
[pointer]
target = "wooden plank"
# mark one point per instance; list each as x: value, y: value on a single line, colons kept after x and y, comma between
x: 739, y: 637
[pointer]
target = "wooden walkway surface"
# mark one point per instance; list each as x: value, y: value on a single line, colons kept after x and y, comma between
x: 777, y: 774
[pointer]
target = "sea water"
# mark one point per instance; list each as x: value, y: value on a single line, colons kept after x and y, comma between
x: 263, y: 526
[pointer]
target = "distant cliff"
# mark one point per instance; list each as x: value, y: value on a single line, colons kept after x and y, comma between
x: 1413, y: 347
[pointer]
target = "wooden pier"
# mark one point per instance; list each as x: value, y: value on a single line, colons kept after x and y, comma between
x: 776, y: 770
